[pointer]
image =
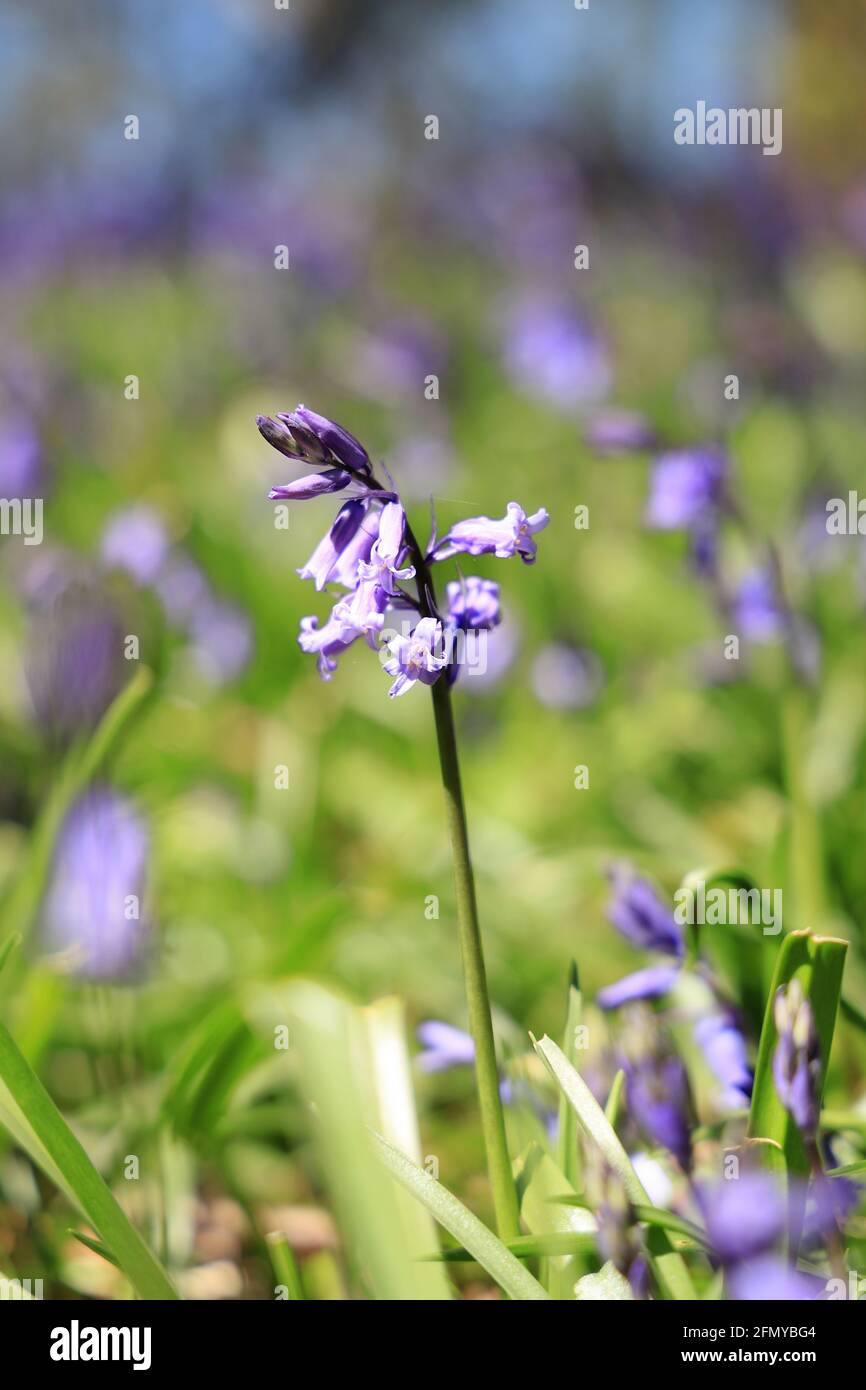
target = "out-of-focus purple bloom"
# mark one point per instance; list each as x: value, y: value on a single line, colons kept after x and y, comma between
x: 181, y: 588
x: 650, y: 983
x: 756, y: 608
x: 704, y: 545
x: 222, y: 640
x: 349, y: 541
x: 744, y: 1216
x: 327, y: 642
x: 313, y: 485
x: 473, y: 603
x: 444, y: 1046
x: 500, y: 650
x: 22, y: 472
x: 797, y: 1059
x: 829, y: 1204
x: 135, y: 540
x: 510, y: 535
x: 565, y: 677
x: 74, y: 659
x: 394, y: 360
x: 418, y: 657
x: 93, y: 909
x: 685, y: 485
x: 769, y: 1279
x: 615, y: 431
x: 658, y: 1100
x: 637, y: 911
x: 724, y: 1047
x: 553, y: 353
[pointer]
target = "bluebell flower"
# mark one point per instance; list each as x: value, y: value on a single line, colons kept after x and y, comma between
x: 510, y: 535
x: 348, y: 543
x: 722, y: 1042
x: 650, y: 983
x: 616, y: 431
x: 418, y: 657
x: 473, y: 603
x: 637, y: 911
x: 94, y: 914
x: 744, y: 1216
x: 73, y: 659
x: 367, y: 549
x: 757, y: 610
x: 685, y: 485
x: 444, y: 1046
x: 554, y: 353
x: 135, y: 541
x: 770, y: 1279
x: 658, y: 1101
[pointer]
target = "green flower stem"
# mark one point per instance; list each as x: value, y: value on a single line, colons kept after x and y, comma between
x: 481, y: 1027
x: 475, y: 976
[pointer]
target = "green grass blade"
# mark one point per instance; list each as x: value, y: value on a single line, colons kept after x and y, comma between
x: 393, y: 1114
x: 527, y: 1247
x: 80, y: 1178
x: 285, y: 1266
x: 484, y: 1247
x: 568, y: 1150
x: 818, y: 963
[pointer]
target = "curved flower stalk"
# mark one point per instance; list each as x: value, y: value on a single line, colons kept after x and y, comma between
x: 371, y: 552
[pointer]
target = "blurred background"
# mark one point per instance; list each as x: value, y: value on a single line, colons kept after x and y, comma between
x: 145, y: 324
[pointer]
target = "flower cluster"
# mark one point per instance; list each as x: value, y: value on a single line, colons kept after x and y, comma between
x: 370, y: 552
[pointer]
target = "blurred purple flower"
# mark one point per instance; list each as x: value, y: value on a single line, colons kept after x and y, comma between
x: 73, y: 660
x: 92, y: 911
x: 770, y: 1279
x: 744, y: 1216
x: 444, y: 1046
x: 685, y: 485
x: 658, y: 1099
x: 222, y: 640
x: 615, y: 431
x: 22, y: 472
x: 650, y: 983
x: 756, y: 608
x: 565, y: 677
x: 553, y: 353
x: 637, y: 911
x: 724, y: 1047
x: 135, y: 540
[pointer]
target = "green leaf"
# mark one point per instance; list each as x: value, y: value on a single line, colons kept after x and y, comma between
x: 42, y: 1122
x: 460, y: 1222
x: 611, y: 1109
x: 96, y: 1246
x: 651, y: 1216
x: 817, y: 962
x: 670, y: 1268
